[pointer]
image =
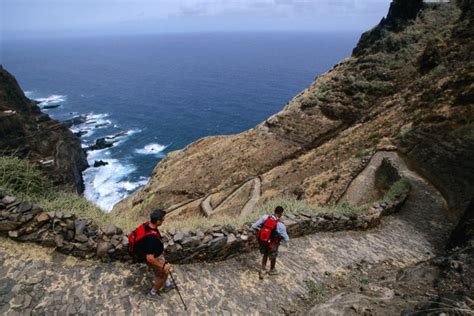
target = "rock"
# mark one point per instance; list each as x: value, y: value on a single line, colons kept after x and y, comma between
x: 17, y: 301
x: 8, y: 225
x: 102, y: 248
x: 100, y: 143
x: 110, y: 230
x: 76, y: 120
x: 8, y: 200
x: 199, y: 235
x: 14, y: 234
x: 79, y: 226
x: 244, y: 237
x: 34, y: 280
x: 100, y: 163
x: 218, y: 235
x: 24, y: 207
x: 178, y: 237
x: 50, y: 106
x: 59, y: 241
x: 81, y: 133
x: 81, y: 238
x: 231, y: 239
x: 217, y: 243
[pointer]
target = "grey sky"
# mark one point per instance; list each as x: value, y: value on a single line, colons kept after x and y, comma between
x: 24, y: 18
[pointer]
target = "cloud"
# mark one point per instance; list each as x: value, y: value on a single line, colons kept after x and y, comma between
x: 111, y: 16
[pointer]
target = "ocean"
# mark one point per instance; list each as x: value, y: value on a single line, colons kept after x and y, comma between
x: 152, y: 94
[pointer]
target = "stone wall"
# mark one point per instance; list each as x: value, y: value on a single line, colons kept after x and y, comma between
x: 25, y: 222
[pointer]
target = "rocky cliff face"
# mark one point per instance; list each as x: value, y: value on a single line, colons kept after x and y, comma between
x: 408, y: 86
x: 27, y: 132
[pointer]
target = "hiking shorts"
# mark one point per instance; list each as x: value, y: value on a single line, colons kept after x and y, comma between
x: 158, y: 270
x: 272, y: 253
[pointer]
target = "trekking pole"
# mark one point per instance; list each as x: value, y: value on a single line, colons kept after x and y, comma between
x: 177, y: 289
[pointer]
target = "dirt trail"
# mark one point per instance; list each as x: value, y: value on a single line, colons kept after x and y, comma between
x: 249, y: 205
x: 32, y: 281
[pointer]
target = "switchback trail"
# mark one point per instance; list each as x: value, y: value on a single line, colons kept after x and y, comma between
x: 32, y: 281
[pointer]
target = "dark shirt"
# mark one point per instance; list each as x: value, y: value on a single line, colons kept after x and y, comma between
x: 149, y: 245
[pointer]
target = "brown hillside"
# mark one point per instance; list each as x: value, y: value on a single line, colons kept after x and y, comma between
x: 407, y: 85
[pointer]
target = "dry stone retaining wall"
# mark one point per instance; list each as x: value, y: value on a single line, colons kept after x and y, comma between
x: 25, y: 222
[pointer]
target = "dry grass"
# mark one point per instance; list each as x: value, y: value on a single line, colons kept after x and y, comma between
x: 21, y: 179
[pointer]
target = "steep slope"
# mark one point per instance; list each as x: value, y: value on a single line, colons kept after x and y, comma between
x: 232, y: 286
x: 28, y: 133
x: 409, y: 82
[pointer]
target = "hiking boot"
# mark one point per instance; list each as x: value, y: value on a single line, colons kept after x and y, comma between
x: 153, y: 293
x: 261, y: 274
x: 273, y: 272
x: 168, y: 287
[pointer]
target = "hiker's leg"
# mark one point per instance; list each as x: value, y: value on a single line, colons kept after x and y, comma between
x: 160, y: 277
x: 273, y: 257
x: 272, y: 263
x: 264, y: 261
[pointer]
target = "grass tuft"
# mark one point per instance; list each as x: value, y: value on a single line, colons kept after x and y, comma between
x: 19, y: 178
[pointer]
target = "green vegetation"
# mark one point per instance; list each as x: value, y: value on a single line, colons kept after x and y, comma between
x: 21, y: 179
x: 398, y: 188
x: 364, y: 280
x: 316, y: 291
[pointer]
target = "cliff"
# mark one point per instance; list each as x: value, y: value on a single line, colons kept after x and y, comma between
x: 408, y: 86
x: 28, y: 133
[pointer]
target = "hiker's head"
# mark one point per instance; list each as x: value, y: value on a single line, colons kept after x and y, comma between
x: 157, y: 217
x: 279, y: 211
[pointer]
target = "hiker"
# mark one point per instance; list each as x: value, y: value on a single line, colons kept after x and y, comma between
x: 270, y: 231
x: 145, y: 245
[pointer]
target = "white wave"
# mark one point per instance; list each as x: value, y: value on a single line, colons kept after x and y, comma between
x: 151, y: 149
x: 52, y: 99
x: 107, y: 185
x: 29, y: 94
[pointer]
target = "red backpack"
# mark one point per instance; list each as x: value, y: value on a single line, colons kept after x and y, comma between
x: 139, y: 233
x: 268, y: 234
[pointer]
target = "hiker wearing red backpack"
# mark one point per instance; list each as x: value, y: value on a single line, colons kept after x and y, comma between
x: 145, y: 245
x: 270, y: 231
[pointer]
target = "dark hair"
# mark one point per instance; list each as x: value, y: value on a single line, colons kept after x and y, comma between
x: 279, y: 210
x: 157, y: 215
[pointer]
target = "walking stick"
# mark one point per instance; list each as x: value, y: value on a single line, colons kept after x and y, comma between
x: 177, y: 289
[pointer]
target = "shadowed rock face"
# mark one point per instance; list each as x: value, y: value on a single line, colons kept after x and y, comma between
x: 409, y: 81
x: 27, y: 132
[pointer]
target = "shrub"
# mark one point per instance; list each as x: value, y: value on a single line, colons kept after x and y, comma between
x: 18, y: 177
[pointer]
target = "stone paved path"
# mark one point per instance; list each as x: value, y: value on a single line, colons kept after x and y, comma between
x: 33, y: 281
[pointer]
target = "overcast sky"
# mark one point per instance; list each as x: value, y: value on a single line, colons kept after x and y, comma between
x: 45, y: 18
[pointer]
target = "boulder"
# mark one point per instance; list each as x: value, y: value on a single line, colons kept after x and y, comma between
x: 81, y: 238
x: 111, y: 230
x: 79, y: 226
x: 178, y: 237
x: 8, y: 200
x: 100, y: 163
x: 102, y: 248
x: 8, y: 225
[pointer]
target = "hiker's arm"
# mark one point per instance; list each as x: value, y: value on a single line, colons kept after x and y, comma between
x: 281, y: 229
x: 257, y: 225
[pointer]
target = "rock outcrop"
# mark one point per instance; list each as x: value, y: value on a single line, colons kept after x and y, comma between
x: 408, y: 81
x: 28, y: 133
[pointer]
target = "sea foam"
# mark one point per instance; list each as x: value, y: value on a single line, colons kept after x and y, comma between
x: 152, y: 149
x: 52, y: 99
x: 107, y: 185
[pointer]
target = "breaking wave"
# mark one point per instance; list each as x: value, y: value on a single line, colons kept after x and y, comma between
x: 152, y: 149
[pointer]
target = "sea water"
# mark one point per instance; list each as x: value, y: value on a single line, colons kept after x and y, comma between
x: 152, y: 94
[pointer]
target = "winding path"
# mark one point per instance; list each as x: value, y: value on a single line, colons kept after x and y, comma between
x: 32, y: 281
x: 249, y: 205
